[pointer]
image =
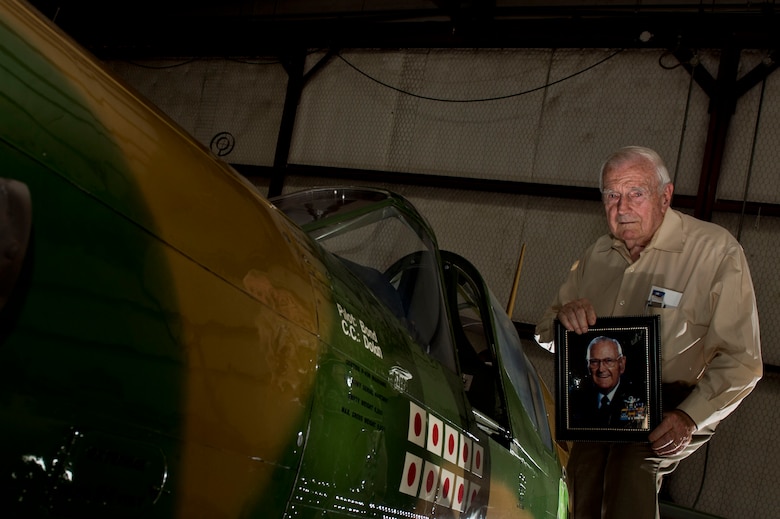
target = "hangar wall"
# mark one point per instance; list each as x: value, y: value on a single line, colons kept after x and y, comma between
x: 544, y: 116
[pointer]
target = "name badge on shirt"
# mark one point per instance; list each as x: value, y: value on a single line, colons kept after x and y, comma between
x: 663, y: 298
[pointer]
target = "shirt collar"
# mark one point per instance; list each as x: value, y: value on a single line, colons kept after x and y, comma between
x: 669, y: 236
x: 611, y: 395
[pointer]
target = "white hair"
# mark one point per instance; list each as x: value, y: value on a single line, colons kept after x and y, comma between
x: 600, y: 339
x: 631, y: 154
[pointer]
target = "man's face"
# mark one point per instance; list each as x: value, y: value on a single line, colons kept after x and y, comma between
x: 605, y: 366
x: 635, y: 208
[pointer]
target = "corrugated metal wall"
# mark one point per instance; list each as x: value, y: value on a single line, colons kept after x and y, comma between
x: 543, y: 116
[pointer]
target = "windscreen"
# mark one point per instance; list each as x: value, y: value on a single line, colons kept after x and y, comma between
x: 521, y: 372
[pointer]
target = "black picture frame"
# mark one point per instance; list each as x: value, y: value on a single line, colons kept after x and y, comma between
x: 636, y: 407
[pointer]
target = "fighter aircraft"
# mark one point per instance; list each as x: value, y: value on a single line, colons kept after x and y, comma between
x: 173, y: 344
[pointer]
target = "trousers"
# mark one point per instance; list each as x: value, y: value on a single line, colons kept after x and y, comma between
x: 620, y: 480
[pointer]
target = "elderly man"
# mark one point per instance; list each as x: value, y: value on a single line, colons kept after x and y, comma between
x: 603, y: 398
x: 694, y: 274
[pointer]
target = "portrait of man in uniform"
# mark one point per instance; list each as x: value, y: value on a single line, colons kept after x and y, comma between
x: 607, y: 382
x: 608, y: 398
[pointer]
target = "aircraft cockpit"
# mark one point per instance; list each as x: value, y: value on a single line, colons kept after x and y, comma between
x: 388, y: 246
x: 490, y: 352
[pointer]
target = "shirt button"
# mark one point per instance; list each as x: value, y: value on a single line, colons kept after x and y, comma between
x: 622, y: 303
x: 631, y: 269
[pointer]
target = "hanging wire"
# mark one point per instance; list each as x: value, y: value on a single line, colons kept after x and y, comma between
x: 750, y: 163
x: 187, y: 61
x: 375, y: 80
x: 163, y: 67
x: 498, y: 98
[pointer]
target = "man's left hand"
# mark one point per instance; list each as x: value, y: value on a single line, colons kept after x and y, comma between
x: 673, y: 434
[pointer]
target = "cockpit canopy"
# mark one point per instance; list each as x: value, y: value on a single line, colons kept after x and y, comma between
x: 387, y: 245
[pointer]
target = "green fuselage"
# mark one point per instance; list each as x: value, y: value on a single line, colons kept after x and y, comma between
x: 173, y: 345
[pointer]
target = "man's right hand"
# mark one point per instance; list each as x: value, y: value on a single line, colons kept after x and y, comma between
x: 577, y: 315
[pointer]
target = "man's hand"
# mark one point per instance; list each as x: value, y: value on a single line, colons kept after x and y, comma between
x: 673, y: 434
x: 577, y: 315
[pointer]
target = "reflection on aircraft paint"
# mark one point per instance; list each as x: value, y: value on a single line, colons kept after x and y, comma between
x: 172, y: 344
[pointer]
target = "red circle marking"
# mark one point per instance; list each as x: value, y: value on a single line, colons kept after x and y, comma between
x: 465, y: 452
x: 446, y: 490
x: 461, y: 491
x: 436, y: 434
x: 451, y: 444
x: 411, y: 474
x: 478, y: 459
x: 417, y: 424
x: 429, y: 482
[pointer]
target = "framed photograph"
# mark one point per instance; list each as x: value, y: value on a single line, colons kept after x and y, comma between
x: 608, y: 380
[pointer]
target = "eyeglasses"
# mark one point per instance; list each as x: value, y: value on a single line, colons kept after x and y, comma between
x: 610, y: 363
x: 634, y: 196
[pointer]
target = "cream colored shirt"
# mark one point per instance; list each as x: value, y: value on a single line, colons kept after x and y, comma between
x: 711, y: 339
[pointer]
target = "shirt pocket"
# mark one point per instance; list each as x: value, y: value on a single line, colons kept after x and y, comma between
x: 682, y: 348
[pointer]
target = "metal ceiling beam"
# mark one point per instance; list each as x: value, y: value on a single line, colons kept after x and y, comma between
x: 723, y: 92
x: 115, y: 30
